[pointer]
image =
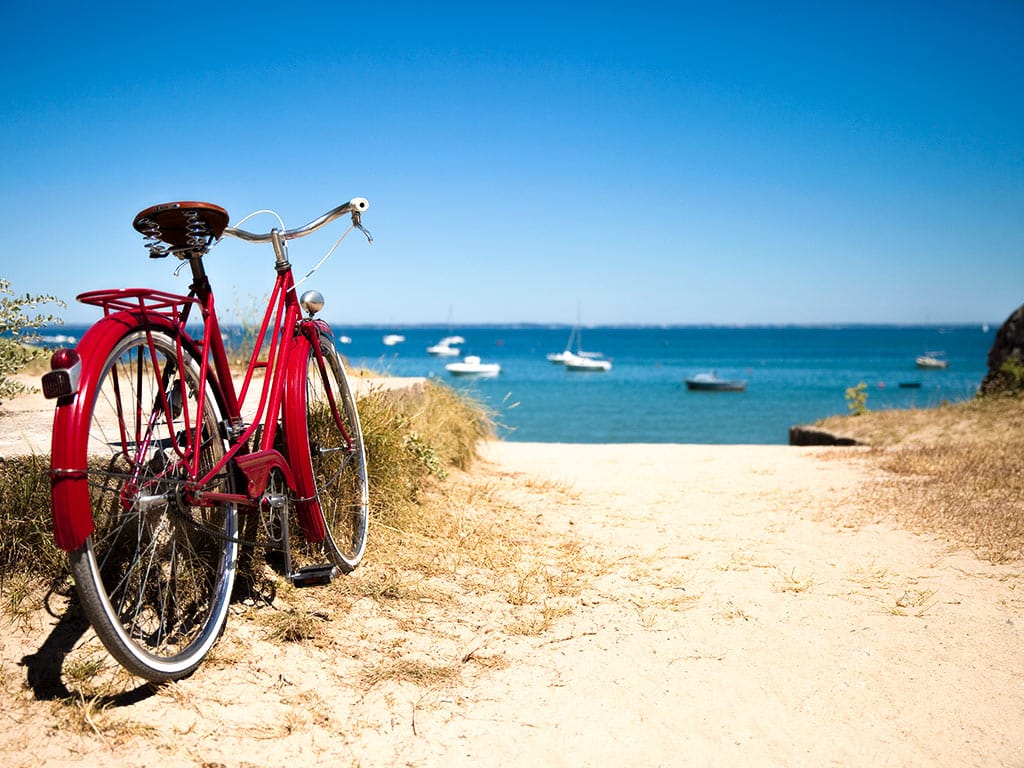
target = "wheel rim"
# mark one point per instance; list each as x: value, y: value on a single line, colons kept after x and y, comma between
x: 338, y: 461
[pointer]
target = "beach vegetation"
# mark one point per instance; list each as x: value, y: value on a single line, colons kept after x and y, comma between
x: 412, y: 436
x: 440, y: 535
x: 418, y: 671
x: 248, y: 316
x: 294, y: 624
x: 26, y: 530
x: 16, y: 324
x: 953, y: 470
x: 857, y: 399
x: 1012, y: 371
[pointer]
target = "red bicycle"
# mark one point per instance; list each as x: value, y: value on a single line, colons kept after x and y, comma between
x: 159, y: 483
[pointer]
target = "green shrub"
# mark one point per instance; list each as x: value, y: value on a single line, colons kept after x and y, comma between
x: 1012, y: 371
x: 14, y: 353
x: 413, y: 435
x: 857, y: 399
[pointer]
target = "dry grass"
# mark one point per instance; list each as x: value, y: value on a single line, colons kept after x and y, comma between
x: 792, y: 582
x: 439, y: 537
x: 442, y: 541
x: 957, y: 470
x: 26, y: 529
x: 991, y: 420
x: 417, y: 671
x: 292, y: 624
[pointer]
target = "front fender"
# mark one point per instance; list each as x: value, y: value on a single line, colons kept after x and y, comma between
x: 295, y: 429
x: 69, y: 483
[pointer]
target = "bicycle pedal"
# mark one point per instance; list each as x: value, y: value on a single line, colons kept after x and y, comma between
x: 314, y: 575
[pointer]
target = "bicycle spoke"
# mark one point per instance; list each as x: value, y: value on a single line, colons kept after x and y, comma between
x: 164, y: 566
x: 332, y: 441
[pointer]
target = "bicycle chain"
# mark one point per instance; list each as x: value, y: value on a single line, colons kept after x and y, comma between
x: 174, y: 508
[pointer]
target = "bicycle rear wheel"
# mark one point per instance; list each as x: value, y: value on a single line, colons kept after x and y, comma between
x: 331, y: 459
x: 155, y: 576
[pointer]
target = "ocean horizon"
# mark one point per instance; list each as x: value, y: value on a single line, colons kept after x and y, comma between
x: 795, y: 374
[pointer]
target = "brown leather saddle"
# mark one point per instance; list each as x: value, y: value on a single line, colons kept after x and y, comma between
x: 183, y: 225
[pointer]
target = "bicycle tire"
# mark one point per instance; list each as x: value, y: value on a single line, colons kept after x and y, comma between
x: 330, y: 461
x: 155, y: 576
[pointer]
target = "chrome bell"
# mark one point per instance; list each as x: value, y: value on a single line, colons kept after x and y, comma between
x: 312, y: 302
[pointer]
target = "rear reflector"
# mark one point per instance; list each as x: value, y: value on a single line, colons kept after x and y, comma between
x: 62, y: 381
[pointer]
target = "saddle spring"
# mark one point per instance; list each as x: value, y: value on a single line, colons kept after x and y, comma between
x: 196, y: 231
x: 153, y: 241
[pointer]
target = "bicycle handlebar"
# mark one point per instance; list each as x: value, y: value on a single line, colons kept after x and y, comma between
x: 355, y: 206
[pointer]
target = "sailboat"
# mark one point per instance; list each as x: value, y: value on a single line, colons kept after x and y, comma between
x: 561, y: 357
x: 578, y: 360
x: 446, y: 347
x: 587, y: 364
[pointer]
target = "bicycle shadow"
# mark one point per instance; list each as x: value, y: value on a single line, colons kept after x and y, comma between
x: 43, y: 669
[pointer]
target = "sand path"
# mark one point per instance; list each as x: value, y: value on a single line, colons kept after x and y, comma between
x: 748, y: 625
x: 745, y: 615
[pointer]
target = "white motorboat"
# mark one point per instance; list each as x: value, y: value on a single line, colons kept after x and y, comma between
x: 932, y: 360
x: 471, y: 365
x: 393, y: 338
x: 445, y: 348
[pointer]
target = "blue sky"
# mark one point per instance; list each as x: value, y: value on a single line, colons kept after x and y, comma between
x: 686, y: 162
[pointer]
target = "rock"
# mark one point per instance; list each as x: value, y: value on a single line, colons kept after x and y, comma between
x: 814, y: 436
x: 1009, y: 343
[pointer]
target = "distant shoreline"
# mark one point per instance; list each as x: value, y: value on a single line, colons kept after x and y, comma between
x: 991, y: 325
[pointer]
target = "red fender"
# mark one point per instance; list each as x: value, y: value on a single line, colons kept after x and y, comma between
x: 296, y: 437
x: 69, y: 486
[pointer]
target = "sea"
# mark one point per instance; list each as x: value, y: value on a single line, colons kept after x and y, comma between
x: 795, y: 375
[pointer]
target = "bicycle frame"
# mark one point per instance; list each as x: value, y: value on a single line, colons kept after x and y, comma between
x: 291, y: 338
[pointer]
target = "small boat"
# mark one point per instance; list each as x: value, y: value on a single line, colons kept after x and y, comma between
x: 932, y: 360
x: 586, y: 363
x: 910, y: 385
x: 709, y: 382
x: 561, y: 357
x: 393, y: 338
x: 443, y: 350
x: 472, y: 366
x: 444, y: 347
x: 578, y: 360
x: 449, y: 345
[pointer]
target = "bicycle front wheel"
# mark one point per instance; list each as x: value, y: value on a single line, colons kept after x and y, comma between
x: 155, y: 576
x: 328, y: 456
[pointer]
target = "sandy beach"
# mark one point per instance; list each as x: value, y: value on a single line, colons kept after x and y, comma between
x: 747, y: 608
